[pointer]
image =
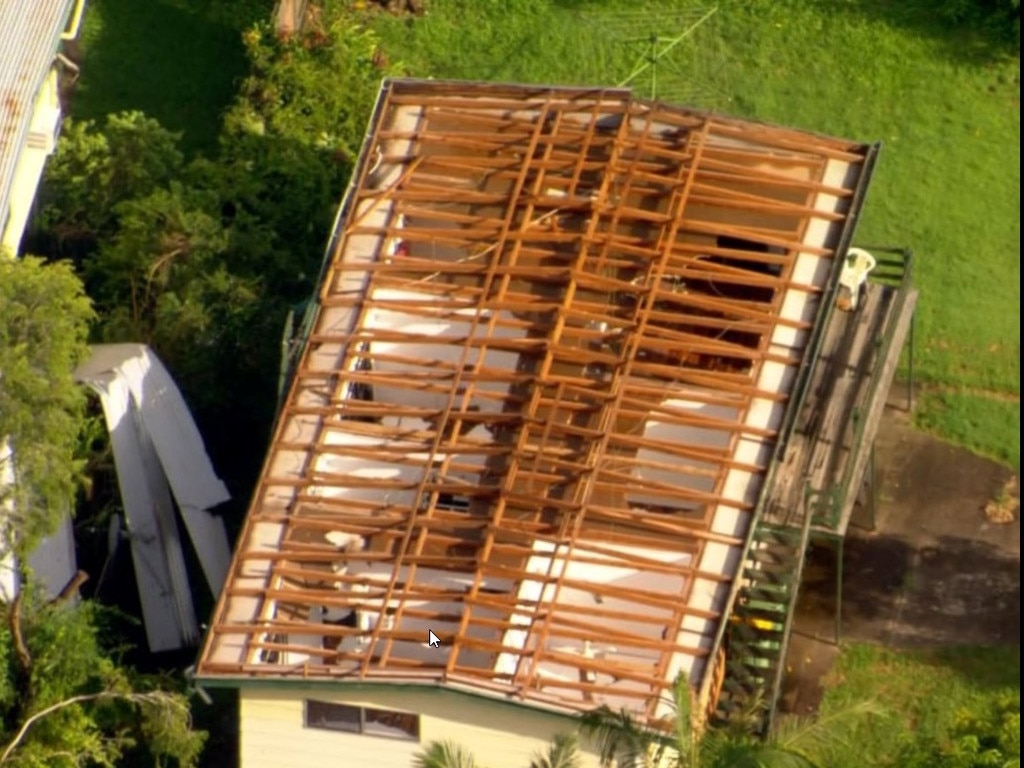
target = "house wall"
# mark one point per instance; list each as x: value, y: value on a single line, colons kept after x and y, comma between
x: 500, y: 735
x: 41, y: 142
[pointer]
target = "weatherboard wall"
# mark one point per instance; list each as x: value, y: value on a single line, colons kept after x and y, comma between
x: 273, y: 731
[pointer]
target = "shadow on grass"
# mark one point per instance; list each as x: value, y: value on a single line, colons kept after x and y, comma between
x: 177, y: 66
x: 974, y: 35
x: 955, y: 591
x: 992, y: 669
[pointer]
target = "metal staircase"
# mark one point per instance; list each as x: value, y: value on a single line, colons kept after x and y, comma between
x: 811, y: 490
x: 757, y: 638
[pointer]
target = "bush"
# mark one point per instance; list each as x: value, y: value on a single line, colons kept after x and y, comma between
x: 1001, y: 18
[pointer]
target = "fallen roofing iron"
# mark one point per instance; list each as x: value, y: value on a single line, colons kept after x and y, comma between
x: 161, y: 462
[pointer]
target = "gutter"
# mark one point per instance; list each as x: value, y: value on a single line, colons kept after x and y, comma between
x: 294, y: 345
x: 313, y: 685
x: 76, y: 21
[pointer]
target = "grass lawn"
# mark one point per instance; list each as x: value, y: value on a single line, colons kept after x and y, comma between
x: 923, y: 694
x: 175, y: 60
x: 946, y: 109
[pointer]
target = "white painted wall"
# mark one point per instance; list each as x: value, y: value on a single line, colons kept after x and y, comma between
x: 46, y: 117
x: 499, y: 735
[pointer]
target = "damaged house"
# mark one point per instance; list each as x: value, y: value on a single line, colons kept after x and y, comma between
x: 575, y: 362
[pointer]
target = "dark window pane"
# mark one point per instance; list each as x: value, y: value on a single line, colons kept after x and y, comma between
x: 396, y: 725
x: 333, y: 717
x: 451, y: 503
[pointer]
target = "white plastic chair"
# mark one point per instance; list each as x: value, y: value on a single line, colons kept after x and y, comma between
x: 858, y: 266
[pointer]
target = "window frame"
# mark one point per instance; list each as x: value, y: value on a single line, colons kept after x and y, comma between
x: 359, y: 726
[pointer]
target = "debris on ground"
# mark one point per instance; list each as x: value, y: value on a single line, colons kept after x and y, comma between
x: 1003, y: 508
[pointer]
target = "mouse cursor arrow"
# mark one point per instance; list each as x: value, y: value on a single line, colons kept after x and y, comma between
x: 433, y: 640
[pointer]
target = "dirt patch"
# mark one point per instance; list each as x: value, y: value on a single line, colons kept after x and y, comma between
x: 936, y: 570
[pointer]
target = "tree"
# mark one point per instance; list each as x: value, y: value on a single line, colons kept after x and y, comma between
x: 93, y: 170
x: 43, y: 330
x: 293, y: 135
x: 986, y: 735
x: 316, y: 88
x: 563, y: 753
x: 165, y: 279
x: 64, y: 701
x: 444, y: 754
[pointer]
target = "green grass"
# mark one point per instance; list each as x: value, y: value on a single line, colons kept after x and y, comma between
x: 983, y: 424
x: 168, y: 58
x: 945, y: 106
x: 922, y: 694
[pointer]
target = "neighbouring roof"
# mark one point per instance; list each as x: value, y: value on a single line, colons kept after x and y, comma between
x: 557, y: 334
x: 30, y: 33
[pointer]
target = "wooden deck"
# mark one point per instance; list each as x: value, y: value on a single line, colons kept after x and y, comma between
x: 833, y: 434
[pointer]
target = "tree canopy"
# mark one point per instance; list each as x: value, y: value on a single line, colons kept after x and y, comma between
x: 43, y: 330
x: 64, y: 699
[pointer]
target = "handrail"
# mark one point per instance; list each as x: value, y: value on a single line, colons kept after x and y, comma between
x: 805, y: 373
x: 885, y: 341
x: 75, y: 23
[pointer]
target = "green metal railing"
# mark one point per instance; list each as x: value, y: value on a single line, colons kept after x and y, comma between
x: 898, y: 273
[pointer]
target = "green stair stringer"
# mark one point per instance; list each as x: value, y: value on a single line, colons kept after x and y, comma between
x: 757, y: 638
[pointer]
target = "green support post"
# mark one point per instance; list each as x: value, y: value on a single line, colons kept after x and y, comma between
x: 873, y: 489
x: 839, y: 588
x: 910, y: 366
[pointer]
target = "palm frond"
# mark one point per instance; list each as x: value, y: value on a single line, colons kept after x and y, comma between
x: 444, y: 754
x: 821, y: 736
x: 617, y: 736
x: 563, y: 752
x: 721, y: 751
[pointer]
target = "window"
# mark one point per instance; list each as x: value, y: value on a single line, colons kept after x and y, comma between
x: 364, y: 720
x: 333, y: 717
